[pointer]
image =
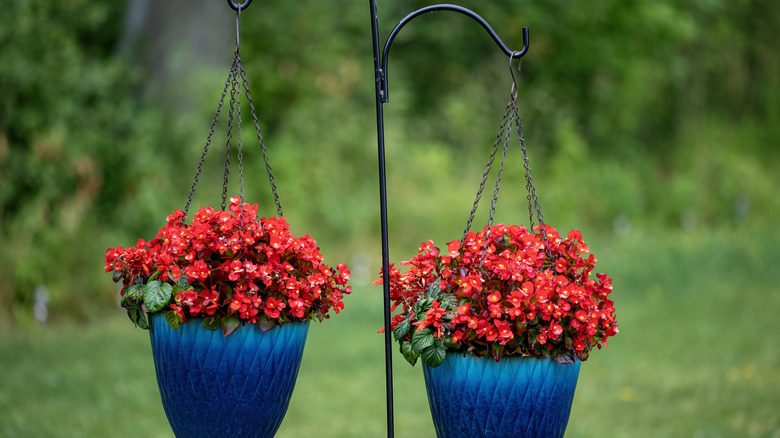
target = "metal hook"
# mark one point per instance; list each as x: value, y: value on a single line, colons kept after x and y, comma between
x: 237, y: 7
x: 515, y: 88
x: 382, y: 70
x: 238, y: 23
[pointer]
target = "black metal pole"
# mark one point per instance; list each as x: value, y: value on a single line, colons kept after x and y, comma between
x: 380, y: 75
x: 383, y: 215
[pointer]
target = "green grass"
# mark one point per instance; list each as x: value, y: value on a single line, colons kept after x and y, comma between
x: 698, y: 356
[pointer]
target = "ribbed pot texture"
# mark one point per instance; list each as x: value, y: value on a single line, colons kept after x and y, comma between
x: 235, y: 386
x: 519, y: 397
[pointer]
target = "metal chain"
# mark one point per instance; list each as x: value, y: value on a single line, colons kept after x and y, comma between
x: 495, y: 194
x: 234, y: 83
x: 260, y: 138
x: 239, y: 144
x: 226, y: 177
x: 512, y: 113
x: 236, y: 88
x: 208, y: 143
x: 493, y: 152
x: 533, y: 200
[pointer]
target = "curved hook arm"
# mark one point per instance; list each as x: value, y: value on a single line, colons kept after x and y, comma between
x: 239, y: 7
x: 454, y: 8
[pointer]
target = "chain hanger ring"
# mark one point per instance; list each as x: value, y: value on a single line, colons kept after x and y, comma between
x: 239, y: 7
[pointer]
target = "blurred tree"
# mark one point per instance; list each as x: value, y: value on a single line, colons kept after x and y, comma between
x: 69, y: 120
x: 660, y: 114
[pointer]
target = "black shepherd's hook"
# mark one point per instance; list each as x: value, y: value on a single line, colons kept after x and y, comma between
x: 239, y: 7
x: 454, y: 8
x: 380, y: 72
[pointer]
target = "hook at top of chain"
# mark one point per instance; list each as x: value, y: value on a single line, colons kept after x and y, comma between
x: 515, y: 88
x: 238, y: 25
x: 239, y: 7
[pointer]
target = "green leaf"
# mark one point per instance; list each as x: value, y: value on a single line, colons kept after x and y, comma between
x: 230, y: 324
x: 181, y: 285
x: 138, y: 316
x: 172, y: 318
x: 408, y: 352
x: 157, y: 295
x: 422, y: 306
x: 449, y: 344
x: 497, y: 351
x: 183, y: 282
x: 211, y: 324
x: 434, y: 355
x: 425, y: 305
x: 402, y: 329
x: 130, y: 296
x: 132, y: 313
x: 434, y: 289
x: 264, y: 324
x: 421, y: 340
x: 143, y: 320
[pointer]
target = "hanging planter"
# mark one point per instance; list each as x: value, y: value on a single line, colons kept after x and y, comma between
x: 249, y: 392
x: 227, y: 299
x: 502, y: 318
x: 515, y: 396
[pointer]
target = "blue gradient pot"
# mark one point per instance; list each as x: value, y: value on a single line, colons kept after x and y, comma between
x: 516, y: 397
x: 213, y: 385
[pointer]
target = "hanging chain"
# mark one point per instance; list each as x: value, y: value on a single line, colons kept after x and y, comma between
x: 502, y: 128
x: 260, y: 138
x: 238, y: 144
x: 237, y: 88
x: 228, y: 144
x: 493, y: 201
x: 512, y: 114
x: 533, y: 201
x: 236, y: 79
x: 208, y: 143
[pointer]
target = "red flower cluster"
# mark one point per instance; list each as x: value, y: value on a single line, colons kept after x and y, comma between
x: 228, y: 265
x: 518, y: 294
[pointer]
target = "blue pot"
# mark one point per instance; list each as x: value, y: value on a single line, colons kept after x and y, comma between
x: 213, y: 385
x: 516, y: 397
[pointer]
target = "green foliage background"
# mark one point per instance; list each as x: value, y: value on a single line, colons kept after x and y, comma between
x: 654, y: 115
x: 653, y: 127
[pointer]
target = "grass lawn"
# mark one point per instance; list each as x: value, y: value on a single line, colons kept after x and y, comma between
x: 698, y: 356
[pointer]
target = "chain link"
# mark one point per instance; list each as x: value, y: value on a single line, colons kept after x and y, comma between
x: 239, y: 144
x: 495, y: 194
x: 236, y: 79
x: 260, y: 139
x: 533, y: 200
x: 228, y: 144
x: 502, y: 128
x: 208, y: 143
x: 511, y: 115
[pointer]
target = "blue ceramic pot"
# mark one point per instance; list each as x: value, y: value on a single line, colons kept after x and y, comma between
x: 226, y: 386
x: 474, y: 397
